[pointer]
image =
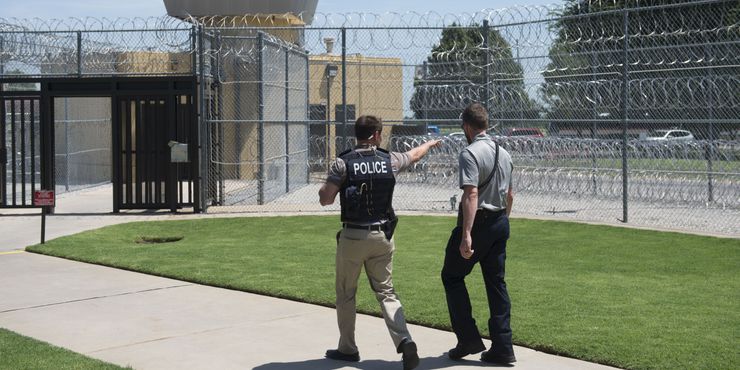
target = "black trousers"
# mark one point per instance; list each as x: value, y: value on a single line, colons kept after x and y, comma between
x: 490, y: 233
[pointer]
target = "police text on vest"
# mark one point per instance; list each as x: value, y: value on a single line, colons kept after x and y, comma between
x: 365, y: 168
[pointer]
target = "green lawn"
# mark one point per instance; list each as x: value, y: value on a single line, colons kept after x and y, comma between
x: 630, y: 298
x: 19, y: 352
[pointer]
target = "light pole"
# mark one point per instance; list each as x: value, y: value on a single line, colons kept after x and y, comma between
x: 330, y: 72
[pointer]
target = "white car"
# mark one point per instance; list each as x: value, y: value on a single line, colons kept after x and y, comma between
x: 457, y: 136
x: 679, y: 135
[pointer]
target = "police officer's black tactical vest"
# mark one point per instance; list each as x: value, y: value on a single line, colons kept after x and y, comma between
x: 366, y: 195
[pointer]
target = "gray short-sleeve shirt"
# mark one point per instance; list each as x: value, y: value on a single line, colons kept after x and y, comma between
x: 476, y: 163
x: 338, y: 169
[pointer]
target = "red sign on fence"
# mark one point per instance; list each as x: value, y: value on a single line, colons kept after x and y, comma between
x: 43, y: 198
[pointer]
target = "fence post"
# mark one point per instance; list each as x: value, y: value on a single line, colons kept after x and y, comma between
x: 2, y: 55
x: 424, y: 96
x: 195, y: 49
x: 344, y: 88
x: 594, y: 117
x: 524, y: 86
x: 46, y: 136
x: 710, y: 152
x: 79, y: 53
x: 308, y: 119
x: 327, y: 150
x: 204, y: 134
x: 487, y: 70
x: 261, y: 98
x: 221, y: 190
x: 625, y: 109
x: 287, y: 118
x: 710, y: 157
x: 66, y: 145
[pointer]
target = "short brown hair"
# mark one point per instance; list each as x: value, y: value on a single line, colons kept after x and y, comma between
x: 475, y: 115
x: 365, y: 127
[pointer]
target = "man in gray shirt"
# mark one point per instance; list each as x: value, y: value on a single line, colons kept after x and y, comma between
x: 480, y: 236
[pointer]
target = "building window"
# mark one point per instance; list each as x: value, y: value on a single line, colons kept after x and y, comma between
x: 339, y: 113
x: 317, y: 112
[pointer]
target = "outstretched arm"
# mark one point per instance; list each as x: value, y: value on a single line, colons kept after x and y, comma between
x: 420, y: 151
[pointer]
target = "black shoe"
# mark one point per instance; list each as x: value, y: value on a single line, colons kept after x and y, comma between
x: 461, y: 351
x: 410, y: 357
x: 334, y: 354
x: 493, y: 358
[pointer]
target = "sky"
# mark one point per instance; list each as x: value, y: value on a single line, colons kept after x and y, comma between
x: 112, y: 9
x: 47, y: 9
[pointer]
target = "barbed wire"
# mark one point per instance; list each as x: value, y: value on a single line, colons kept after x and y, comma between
x: 27, y: 39
x: 320, y: 20
x: 581, y: 166
x: 91, y: 24
x: 673, y: 92
x: 559, y: 68
x: 662, y: 171
x: 507, y: 16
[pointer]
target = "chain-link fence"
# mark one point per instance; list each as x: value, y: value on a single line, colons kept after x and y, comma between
x: 576, y: 93
x: 82, y: 130
x: 95, y: 47
x: 612, y: 113
x: 258, y: 122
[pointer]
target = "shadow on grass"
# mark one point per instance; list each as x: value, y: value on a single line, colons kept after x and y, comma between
x: 439, y: 362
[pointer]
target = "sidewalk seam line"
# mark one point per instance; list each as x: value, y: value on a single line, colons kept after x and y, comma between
x: 161, y: 339
x: 93, y: 298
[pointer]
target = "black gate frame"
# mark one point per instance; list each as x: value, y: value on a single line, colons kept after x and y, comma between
x: 31, y: 185
x: 172, y: 87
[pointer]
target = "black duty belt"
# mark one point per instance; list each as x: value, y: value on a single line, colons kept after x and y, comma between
x: 364, y: 227
x: 488, y: 214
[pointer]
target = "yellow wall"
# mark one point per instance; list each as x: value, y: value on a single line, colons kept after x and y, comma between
x: 263, y: 21
x: 374, y: 86
x: 153, y: 62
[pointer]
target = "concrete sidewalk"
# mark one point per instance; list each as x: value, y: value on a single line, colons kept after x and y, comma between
x: 148, y: 322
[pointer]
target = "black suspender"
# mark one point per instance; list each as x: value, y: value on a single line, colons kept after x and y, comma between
x: 495, y: 165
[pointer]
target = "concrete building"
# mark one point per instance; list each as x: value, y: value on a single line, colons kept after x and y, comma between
x: 374, y: 86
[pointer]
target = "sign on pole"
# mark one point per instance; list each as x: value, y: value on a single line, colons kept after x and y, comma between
x: 43, y: 198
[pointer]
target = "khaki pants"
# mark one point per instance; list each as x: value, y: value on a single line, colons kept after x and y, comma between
x: 356, y: 248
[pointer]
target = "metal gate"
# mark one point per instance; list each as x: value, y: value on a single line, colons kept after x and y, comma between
x: 20, y: 150
x: 144, y: 130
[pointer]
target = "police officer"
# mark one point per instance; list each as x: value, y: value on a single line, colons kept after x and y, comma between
x: 480, y: 237
x: 364, y: 178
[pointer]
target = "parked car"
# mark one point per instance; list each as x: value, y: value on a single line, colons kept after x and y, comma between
x: 679, y: 135
x: 523, y: 131
x: 457, y: 136
x: 730, y: 135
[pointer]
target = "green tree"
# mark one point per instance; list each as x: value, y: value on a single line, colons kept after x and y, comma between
x: 681, y: 61
x: 454, y: 75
